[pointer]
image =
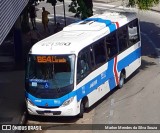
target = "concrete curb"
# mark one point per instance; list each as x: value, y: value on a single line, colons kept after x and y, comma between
x: 155, y: 10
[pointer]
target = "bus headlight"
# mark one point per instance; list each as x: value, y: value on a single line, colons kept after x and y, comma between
x: 30, y: 102
x: 67, y: 102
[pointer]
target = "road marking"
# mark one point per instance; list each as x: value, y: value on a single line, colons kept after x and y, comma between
x: 112, y: 102
x: 111, y: 112
x: 110, y: 122
x: 103, y: 6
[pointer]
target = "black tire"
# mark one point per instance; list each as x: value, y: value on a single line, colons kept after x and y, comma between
x: 80, y: 115
x: 27, y: 114
x: 121, y: 80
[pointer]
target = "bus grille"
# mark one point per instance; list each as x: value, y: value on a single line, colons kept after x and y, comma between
x: 53, y: 112
x: 50, y: 107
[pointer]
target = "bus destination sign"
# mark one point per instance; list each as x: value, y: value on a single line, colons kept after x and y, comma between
x: 50, y: 59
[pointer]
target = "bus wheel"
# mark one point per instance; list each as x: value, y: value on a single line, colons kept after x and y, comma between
x: 121, y: 80
x: 80, y: 115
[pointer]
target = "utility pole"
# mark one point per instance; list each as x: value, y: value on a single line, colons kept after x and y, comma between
x: 64, y: 13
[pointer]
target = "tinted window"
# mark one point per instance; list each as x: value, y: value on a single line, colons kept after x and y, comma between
x: 123, y: 38
x: 133, y: 32
x: 111, y: 43
x: 99, y: 52
x: 92, y: 58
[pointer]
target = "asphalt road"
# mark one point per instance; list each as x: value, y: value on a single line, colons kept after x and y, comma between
x: 138, y: 101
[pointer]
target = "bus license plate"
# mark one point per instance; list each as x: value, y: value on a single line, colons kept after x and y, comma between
x: 48, y: 113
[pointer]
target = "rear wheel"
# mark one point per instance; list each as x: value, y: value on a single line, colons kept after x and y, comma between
x: 121, y: 80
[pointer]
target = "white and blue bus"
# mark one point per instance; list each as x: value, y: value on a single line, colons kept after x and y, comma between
x: 74, y: 68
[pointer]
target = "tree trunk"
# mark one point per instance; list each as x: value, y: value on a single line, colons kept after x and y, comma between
x: 64, y: 13
x: 54, y: 14
x: 89, y: 5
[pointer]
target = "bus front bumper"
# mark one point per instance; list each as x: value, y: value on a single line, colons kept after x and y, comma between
x: 70, y: 110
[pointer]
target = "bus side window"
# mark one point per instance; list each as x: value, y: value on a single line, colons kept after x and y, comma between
x: 111, y: 44
x: 99, y: 52
x: 133, y: 32
x: 123, y: 38
x: 91, y: 58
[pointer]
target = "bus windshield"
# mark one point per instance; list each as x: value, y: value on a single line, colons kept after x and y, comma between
x: 50, y: 76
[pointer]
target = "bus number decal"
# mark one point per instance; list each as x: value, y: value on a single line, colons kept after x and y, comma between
x: 93, y: 83
x: 56, y: 44
x: 103, y: 75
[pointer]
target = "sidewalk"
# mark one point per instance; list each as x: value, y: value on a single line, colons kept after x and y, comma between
x: 12, y: 81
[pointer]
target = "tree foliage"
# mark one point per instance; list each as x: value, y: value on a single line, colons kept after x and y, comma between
x: 143, y: 4
x: 53, y: 2
x: 81, y: 8
x: 84, y: 8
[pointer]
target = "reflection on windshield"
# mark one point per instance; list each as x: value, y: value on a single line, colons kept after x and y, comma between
x: 50, y: 72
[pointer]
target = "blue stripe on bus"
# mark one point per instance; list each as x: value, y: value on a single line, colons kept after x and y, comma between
x: 108, y: 23
x: 100, y: 20
x: 51, y: 102
x: 107, y: 75
x: 112, y: 27
x: 110, y: 74
x: 129, y: 59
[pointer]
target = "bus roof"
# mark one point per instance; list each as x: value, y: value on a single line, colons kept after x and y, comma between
x: 78, y: 35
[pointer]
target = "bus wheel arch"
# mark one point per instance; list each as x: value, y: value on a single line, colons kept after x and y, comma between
x: 122, y: 78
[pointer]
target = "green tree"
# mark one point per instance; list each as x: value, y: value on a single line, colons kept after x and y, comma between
x: 143, y: 4
x: 81, y: 8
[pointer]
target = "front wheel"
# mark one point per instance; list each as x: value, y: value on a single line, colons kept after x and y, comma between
x: 80, y: 115
x: 121, y: 80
